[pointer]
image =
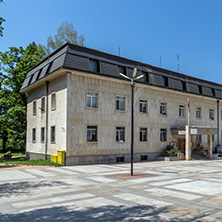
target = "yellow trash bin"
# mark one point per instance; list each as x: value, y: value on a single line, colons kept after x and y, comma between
x: 53, y: 159
x: 61, y: 156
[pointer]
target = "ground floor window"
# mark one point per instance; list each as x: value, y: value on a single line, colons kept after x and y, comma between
x: 42, y: 134
x: 91, y: 133
x: 163, y: 134
x: 52, y: 134
x: 143, y: 134
x: 198, y: 138
x: 120, y: 134
x: 34, y: 135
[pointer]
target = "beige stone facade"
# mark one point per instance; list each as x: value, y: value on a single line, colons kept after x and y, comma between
x: 71, y: 118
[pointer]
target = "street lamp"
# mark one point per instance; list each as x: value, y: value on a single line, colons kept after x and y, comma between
x: 132, y: 110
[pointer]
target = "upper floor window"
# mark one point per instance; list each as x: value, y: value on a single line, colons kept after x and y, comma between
x: 163, y: 108
x: 91, y: 133
x: 211, y: 114
x: 34, y: 135
x: 181, y: 111
x: 42, y: 104
x: 121, y: 70
x: 163, y: 135
x: 198, y: 112
x: 143, y: 106
x: 143, y: 134
x: 120, y: 134
x: 53, y: 134
x: 34, y: 108
x: 93, y: 66
x: 120, y: 103
x: 53, y: 101
x: 92, y: 100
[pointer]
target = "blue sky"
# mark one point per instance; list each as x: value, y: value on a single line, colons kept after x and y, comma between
x: 143, y: 29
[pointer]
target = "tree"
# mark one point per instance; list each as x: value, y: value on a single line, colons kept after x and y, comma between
x: 65, y: 33
x: 1, y: 21
x: 15, y: 64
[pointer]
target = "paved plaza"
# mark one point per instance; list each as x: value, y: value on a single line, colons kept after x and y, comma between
x: 171, y: 191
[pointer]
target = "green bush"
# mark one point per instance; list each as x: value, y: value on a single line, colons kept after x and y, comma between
x: 171, y: 151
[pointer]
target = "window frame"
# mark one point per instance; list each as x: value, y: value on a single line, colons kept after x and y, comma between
x: 91, y: 128
x: 182, y: 107
x: 163, y: 138
x: 144, y: 101
x: 198, y: 110
x: 52, y: 103
x: 97, y: 99
x: 119, y: 130
x: 162, y: 105
x: 34, y: 108
x: 96, y: 65
x: 33, y: 135
x: 142, y: 130
x: 124, y: 99
x: 43, y: 109
x: 53, y: 141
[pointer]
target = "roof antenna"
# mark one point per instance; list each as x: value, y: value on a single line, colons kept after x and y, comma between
x: 178, y: 63
x: 160, y: 60
x: 119, y: 51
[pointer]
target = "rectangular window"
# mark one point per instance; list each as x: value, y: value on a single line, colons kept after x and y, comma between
x: 163, y: 135
x: 163, y: 108
x: 120, y: 103
x: 53, y: 101
x: 42, y: 134
x: 120, y: 134
x: 92, y: 100
x: 143, y: 106
x: 213, y: 138
x: 198, y: 112
x: 143, y: 134
x: 91, y: 133
x: 43, y: 105
x: 211, y: 114
x: 181, y: 111
x: 93, y: 66
x: 121, y: 70
x: 34, y: 135
x: 34, y: 108
x: 221, y: 115
x: 198, y: 138
x: 145, y: 76
x: 53, y: 134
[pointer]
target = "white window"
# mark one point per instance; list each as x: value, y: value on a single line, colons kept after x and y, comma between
x: 53, y: 101
x: 211, y: 114
x: 198, y: 112
x: 91, y: 133
x: 52, y: 134
x: 42, y: 134
x: 163, y: 135
x: 120, y: 103
x: 198, y: 138
x: 34, y: 135
x: 163, y: 108
x: 93, y: 66
x: 143, y: 106
x: 143, y: 134
x: 92, y: 100
x: 34, y: 108
x: 181, y: 111
x: 120, y: 134
x: 43, y: 105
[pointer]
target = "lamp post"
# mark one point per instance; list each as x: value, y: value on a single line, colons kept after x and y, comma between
x: 132, y: 110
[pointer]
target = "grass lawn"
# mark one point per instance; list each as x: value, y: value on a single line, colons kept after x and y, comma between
x: 23, y: 161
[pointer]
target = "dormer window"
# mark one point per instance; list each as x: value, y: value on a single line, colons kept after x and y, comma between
x: 93, y: 66
x: 121, y: 70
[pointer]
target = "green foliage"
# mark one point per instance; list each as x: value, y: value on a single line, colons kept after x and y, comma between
x: 171, y: 151
x: 65, y: 33
x: 1, y: 21
x: 15, y: 64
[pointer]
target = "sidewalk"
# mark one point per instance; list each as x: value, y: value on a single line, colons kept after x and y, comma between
x: 167, y: 191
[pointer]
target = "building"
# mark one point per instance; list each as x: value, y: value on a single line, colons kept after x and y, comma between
x: 78, y: 102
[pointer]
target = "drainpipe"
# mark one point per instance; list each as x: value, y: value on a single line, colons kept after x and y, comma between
x: 47, y: 117
x: 218, y: 119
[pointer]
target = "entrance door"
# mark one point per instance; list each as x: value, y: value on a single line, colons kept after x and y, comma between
x: 181, y: 145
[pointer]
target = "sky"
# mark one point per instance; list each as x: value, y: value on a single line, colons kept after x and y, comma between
x: 143, y: 29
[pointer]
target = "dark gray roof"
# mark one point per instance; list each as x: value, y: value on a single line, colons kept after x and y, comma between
x: 75, y: 57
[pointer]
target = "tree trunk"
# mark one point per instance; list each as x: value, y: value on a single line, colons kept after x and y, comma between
x: 4, y: 141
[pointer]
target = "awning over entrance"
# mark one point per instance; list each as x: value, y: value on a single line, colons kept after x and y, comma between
x: 194, y: 130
